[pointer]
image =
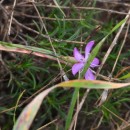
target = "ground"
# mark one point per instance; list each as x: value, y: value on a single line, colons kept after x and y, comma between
x: 37, y: 42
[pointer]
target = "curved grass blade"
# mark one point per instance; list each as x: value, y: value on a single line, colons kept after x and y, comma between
x: 28, y: 114
x: 59, y: 7
x: 90, y: 59
x: 17, y: 105
x: 97, y: 48
x: 92, y: 84
x: 10, y: 47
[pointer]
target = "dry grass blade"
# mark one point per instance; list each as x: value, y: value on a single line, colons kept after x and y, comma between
x: 26, y: 117
x: 25, y: 51
x: 92, y: 84
x: 87, y: 8
x: 105, y: 92
x: 122, y: 71
x: 44, y: 26
x: 113, y: 44
x: 9, y: 30
x: 59, y: 7
x: 126, y: 34
x: 35, y: 54
x: 43, y: 127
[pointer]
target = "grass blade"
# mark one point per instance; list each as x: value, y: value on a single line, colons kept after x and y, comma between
x: 125, y: 76
x: 28, y: 114
x: 72, y: 105
x: 97, y: 48
x: 26, y: 117
x: 91, y: 57
x: 92, y: 84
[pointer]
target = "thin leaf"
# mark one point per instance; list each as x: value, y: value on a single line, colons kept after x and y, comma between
x: 97, y: 48
x: 28, y: 114
x: 125, y: 76
x: 10, y: 47
x: 92, y: 84
x: 26, y: 117
x: 71, y: 110
x: 59, y: 7
x: 17, y: 105
x: 90, y: 59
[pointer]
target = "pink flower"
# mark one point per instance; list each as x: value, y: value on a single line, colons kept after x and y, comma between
x: 81, y: 61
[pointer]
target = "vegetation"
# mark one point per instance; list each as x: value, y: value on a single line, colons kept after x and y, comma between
x: 37, y: 43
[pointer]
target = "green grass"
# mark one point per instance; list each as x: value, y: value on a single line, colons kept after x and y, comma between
x: 30, y: 73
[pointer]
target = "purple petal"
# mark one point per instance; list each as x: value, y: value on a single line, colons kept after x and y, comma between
x: 77, y: 55
x: 88, y: 48
x: 89, y: 75
x: 95, y: 62
x: 77, y: 67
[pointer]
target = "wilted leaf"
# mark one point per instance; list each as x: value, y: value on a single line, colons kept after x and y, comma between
x: 28, y: 114
x: 26, y: 117
x: 92, y: 84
